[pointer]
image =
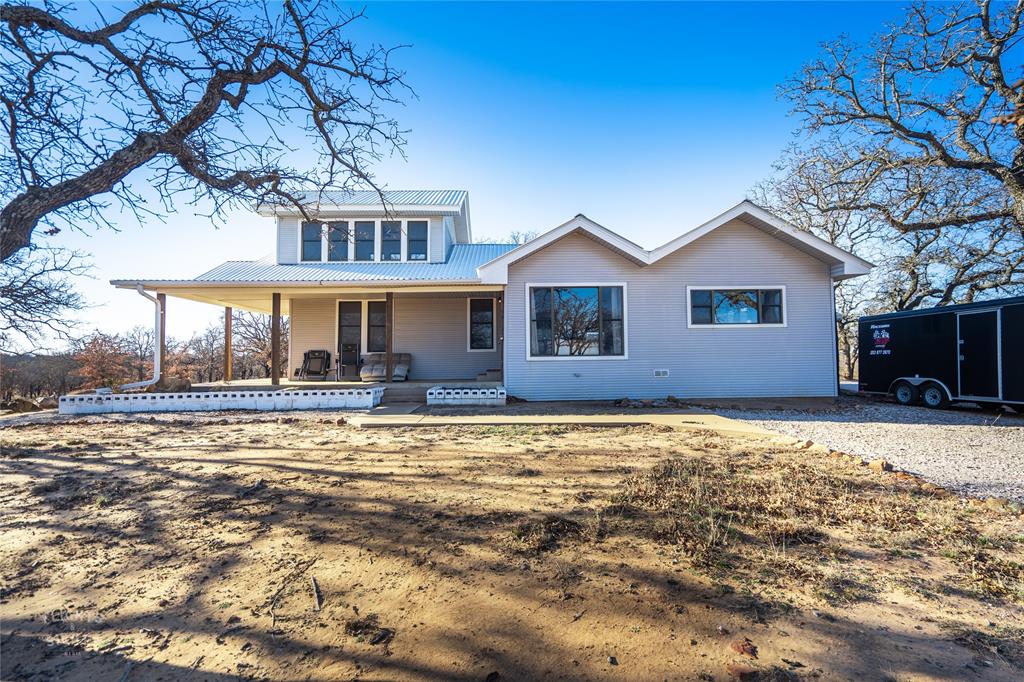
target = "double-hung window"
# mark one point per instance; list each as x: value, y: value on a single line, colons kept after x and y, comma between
x: 417, y: 240
x: 376, y: 326
x: 391, y: 240
x: 577, y: 321
x: 481, y: 324
x: 713, y: 307
x: 337, y: 240
x: 311, y: 246
x: 365, y: 236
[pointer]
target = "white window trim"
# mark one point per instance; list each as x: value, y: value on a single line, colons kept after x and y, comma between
x: 323, y: 242
x: 469, y: 324
x: 405, y: 240
x: 722, y: 287
x: 378, y: 237
x: 562, y: 358
x: 325, y: 248
x: 364, y: 323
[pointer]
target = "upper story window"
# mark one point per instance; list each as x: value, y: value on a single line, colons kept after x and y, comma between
x: 365, y: 237
x: 712, y: 307
x: 311, y: 246
x: 416, y: 233
x: 361, y: 240
x: 337, y: 240
x: 585, y: 321
x: 391, y: 240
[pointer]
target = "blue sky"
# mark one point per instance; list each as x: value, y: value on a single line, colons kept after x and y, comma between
x: 648, y: 118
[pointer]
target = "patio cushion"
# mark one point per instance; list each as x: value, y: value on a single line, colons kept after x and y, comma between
x: 374, y: 367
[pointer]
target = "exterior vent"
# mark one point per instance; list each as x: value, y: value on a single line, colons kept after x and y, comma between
x: 661, y: 372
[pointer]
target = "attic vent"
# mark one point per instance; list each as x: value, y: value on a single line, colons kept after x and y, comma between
x: 661, y: 372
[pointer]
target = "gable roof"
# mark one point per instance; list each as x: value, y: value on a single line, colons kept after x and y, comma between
x: 419, y: 202
x: 843, y: 263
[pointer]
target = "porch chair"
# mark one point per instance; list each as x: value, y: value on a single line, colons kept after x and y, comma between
x: 375, y: 368
x: 316, y: 364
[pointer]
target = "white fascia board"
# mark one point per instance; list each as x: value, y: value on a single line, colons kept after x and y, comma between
x: 438, y: 209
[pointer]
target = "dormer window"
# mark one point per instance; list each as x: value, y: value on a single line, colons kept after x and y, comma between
x: 365, y: 236
x: 337, y: 241
x: 311, y: 247
x: 391, y: 240
x: 374, y: 240
x: 416, y: 231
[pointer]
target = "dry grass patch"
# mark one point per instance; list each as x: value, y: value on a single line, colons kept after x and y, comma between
x: 775, y: 517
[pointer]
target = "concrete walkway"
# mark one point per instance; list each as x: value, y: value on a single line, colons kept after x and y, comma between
x: 416, y: 415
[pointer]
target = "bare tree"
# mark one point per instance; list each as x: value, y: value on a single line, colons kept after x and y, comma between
x: 926, y: 117
x: 36, y: 296
x: 201, y: 96
x: 251, y: 338
x: 139, y: 343
x: 514, y: 237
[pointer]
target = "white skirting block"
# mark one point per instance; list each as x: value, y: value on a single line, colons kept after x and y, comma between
x: 439, y: 395
x: 340, y: 399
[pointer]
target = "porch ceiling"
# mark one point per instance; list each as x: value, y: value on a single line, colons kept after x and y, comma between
x: 259, y: 300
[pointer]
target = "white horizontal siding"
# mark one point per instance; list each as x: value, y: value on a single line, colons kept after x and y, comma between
x: 311, y: 327
x: 796, y: 360
x: 287, y: 240
x: 432, y: 330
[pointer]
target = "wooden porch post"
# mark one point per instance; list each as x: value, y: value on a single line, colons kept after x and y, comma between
x: 162, y: 298
x: 275, y: 340
x: 227, y: 345
x: 499, y: 329
x: 389, y: 326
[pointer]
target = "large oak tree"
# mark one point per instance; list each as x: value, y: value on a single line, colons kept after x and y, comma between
x: 202, y: 102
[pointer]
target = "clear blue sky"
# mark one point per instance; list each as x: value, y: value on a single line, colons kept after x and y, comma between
x: 648, y: 118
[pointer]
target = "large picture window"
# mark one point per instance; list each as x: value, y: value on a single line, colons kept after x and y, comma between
x: 417, y: 236
x: 311, y: 247
x: 481, y: 324
x: 376, y: 326
x: 577, y: 321
x: 710, y: 307
x: 365, y: 230
x: 391, y: 240
x: 337, y: 241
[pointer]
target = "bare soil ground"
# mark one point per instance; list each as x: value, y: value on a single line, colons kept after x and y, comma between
x: 241, y: 548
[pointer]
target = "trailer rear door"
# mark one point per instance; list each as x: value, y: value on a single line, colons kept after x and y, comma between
x: 979, y: 354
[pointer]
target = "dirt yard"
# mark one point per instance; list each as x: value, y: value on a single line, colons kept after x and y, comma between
x: 241, y: 548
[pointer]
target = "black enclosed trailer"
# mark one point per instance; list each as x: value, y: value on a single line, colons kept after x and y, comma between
x: 970, y: 352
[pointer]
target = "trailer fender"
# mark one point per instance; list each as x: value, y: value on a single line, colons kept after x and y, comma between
x: 918, y: 381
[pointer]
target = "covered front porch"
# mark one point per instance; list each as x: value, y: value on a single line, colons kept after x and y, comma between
x: 425, y: 335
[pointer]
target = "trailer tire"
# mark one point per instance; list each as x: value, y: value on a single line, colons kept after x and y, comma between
x: 934, y: 396
x: 905, y: 393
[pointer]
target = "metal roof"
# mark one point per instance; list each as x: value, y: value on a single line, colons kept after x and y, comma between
x: 368, y: 197
x: 461, y: 267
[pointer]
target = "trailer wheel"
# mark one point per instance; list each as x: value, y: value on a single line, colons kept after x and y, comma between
x: 905, y: 393
x: 934, y: 396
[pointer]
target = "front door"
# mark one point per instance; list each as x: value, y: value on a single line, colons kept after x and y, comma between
x: 979, y: 354
x: 350, y: 324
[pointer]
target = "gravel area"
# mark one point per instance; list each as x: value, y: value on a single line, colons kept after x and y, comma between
x: 974, y: 452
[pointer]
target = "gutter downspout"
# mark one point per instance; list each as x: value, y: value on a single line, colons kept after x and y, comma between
x: 156, y: 344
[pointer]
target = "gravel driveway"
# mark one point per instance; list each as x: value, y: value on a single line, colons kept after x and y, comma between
x: 973, y: 452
